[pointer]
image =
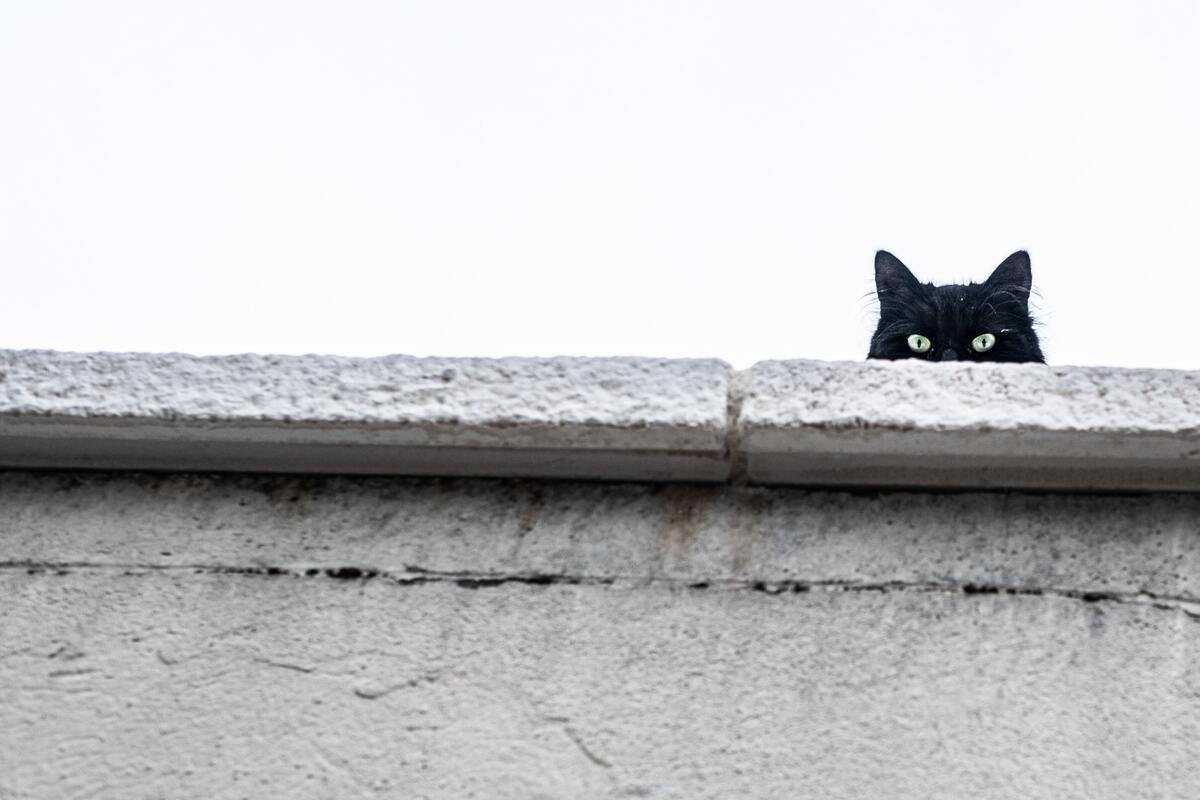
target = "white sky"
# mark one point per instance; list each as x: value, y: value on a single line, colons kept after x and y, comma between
x: 599, y: 178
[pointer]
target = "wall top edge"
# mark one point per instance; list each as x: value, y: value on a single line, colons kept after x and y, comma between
x: 796, y: 421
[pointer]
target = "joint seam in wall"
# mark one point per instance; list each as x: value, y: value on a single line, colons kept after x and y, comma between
x: 416, y: 576
x: 735, y: 453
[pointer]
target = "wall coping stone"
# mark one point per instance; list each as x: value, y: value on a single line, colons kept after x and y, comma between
x: 914, y: 424
x: 903, y: 424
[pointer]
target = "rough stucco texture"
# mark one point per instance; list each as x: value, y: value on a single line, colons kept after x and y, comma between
x: 908, y: 423
x: 963, y: 396
x: 439, y: 401
x: 456, y: 392
x: 228, y: 637
x: 562, y: 417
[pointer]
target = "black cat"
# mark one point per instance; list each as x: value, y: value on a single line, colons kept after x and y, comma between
x: 986, y: 321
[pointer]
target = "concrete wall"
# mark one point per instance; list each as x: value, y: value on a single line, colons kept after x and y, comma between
x: 235, y: 635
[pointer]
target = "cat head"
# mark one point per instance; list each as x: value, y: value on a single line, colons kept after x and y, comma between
x: 986, y: 321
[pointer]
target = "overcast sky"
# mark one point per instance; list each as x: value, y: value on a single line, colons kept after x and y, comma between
x: 590, y: 178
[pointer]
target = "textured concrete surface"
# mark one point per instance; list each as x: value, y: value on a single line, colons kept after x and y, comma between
x: 238, y: 636
x: 567, y: 417
x: 884, y: 424
x: 907, y: 423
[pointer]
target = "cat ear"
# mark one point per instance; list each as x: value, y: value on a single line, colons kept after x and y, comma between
x: 1015, y: 274
x: 892, y: 278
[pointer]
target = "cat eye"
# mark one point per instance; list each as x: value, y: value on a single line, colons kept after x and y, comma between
x: 983, y: 342
x: 919, y: 344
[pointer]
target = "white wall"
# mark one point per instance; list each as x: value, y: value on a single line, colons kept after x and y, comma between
x: 236, y: 636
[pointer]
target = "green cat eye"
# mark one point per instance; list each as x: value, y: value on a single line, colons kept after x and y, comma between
x: 983, y: 342
x: 919, y: 344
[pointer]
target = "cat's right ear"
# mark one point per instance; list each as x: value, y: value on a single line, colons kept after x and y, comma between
x: 892, y: 278
x: 1014, y: 272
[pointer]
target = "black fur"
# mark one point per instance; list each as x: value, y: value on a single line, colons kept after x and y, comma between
x: 952, y: 316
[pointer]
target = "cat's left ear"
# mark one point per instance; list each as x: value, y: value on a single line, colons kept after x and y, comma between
x: 1014, y: 273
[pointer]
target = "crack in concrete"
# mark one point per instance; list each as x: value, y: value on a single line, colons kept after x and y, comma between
x: 284, y: 665
x: 411, y: 683
x: 414, y: 575
x: 583, y: 748
x: 1186, y: 604
x: 564, y: 724
x: 72, y: 673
